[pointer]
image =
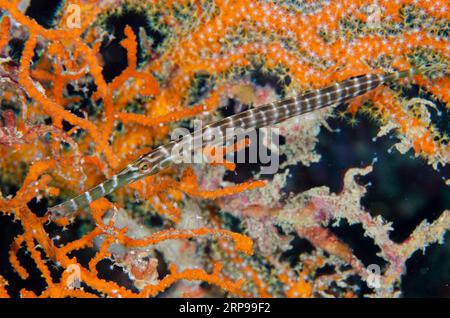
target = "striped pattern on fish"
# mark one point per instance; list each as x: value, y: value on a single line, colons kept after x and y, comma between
x: 258, y: 117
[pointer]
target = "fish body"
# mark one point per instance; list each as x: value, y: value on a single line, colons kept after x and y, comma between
x: 258, y: 117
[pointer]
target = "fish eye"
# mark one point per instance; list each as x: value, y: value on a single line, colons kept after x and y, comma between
x: 144, y: 166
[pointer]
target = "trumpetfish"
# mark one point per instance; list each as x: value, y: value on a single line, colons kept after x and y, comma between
x: 254, y: 118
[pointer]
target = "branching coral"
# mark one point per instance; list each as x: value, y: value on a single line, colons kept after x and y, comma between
x: 172, y: 61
